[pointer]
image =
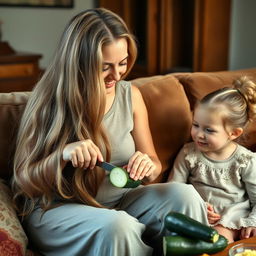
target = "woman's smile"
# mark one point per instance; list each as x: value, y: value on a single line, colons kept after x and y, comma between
x: 110, y: 84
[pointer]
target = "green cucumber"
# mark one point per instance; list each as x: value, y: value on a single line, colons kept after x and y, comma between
x: 119, y: 177
x: 186, y: 226
x: 180, y: 245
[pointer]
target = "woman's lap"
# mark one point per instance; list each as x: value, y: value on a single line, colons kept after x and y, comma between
x: 164, y: 197
x: 74, y: 229
x: 151, y: 204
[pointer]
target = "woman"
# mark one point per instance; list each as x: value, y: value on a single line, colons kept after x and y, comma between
x: 81, y: 112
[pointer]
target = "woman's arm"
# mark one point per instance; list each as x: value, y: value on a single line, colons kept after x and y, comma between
x: 82, y: 154
x: 145, y: 162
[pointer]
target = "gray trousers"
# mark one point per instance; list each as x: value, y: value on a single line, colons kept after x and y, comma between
x: 134, y: 228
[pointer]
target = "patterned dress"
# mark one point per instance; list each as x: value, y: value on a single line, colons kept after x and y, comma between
x: 229, y: 185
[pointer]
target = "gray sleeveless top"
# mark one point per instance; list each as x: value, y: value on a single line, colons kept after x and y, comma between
x: 118, y: 122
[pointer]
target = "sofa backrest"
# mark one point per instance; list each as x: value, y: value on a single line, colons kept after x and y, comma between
x: 198, y: 84
x: 11, y: 109
x: 169, y: 100
x: 169, y: 116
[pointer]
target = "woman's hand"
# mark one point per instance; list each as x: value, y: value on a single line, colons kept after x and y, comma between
x: 211, y: 215
x: 247, y: 232
x: 82, y: 154
x: 140, y: 165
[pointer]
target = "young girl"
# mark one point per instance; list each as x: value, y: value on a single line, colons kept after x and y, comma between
x: 222, y: 171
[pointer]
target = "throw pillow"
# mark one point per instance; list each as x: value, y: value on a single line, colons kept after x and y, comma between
x: 13, y: 241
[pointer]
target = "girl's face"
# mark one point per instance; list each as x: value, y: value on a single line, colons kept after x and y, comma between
x: 208, y: 131
x: 115, y: 57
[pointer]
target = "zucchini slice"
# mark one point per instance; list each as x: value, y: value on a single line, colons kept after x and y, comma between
x: 180, y: 245
x: 119, y: 177
x: 184, y: 225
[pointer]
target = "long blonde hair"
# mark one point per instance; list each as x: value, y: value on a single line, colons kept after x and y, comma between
x: 67, y: 105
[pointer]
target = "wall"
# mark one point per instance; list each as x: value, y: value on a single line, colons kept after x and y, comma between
x: 37, y: 30
x: 243, y: 35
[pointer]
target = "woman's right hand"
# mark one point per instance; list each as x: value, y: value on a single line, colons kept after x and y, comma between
x: 211, y: 215
x: 82, y: 154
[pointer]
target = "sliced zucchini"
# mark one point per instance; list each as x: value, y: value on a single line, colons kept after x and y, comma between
x: 119, y: 177
x: 180, y: 245
x: 186, y: 226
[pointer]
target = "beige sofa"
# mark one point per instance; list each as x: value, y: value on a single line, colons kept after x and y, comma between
x: 169, y: 99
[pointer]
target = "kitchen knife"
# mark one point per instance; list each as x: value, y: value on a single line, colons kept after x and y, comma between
x: 106, y: 166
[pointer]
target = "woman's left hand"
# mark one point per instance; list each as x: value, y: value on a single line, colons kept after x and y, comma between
x: 140, y: 165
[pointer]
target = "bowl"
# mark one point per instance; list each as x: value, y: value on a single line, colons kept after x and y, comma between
x: 240, y: 249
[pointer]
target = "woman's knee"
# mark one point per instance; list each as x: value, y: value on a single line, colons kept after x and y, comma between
x: 121, y: 232
x: 183, y: 198
x: 183, y: 192
x: 179, y: 192
x: 120, y: 224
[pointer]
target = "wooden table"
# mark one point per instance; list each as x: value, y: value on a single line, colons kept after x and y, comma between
x: 245, y: 241
x: 18, y: 71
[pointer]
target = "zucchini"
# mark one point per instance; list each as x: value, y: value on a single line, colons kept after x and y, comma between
x: 186, y: 226
x: 119, y: 177
x: 180, y: 245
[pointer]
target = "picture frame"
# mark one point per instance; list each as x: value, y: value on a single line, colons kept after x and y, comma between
x: 38, y: 3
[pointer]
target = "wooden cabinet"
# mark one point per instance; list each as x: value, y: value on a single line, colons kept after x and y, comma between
x: 18, y: 71
x: 176, y: 35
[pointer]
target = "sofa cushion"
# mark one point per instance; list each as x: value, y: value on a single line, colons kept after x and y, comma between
x: 169, y: 116
x: 13, y: 240
x: 11, y: 108
x: 198, y: 84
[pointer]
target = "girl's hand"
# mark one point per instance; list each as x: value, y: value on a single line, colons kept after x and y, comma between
x: 211, y: 215
x: 247, y: 232
x: 140, y: 165
x: 82, y: 154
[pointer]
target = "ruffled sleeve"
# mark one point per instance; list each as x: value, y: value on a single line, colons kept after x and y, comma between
x: 180, y: 170
x: 248, y: 176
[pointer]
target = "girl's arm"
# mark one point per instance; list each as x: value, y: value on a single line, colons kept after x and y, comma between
x: 180, y: 171
x: 145, y: 162
x: 249, y: 178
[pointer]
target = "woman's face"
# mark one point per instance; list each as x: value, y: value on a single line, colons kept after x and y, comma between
x: 115, y: 56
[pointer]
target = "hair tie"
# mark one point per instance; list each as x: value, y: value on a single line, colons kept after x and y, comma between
x: 242, y: 95
x: 247, y: 104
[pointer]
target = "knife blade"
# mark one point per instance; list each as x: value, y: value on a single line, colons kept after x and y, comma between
x: 106, y: 166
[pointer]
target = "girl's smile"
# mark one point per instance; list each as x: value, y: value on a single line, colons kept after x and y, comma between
x: 201, y: 144
x: 210, y: 134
